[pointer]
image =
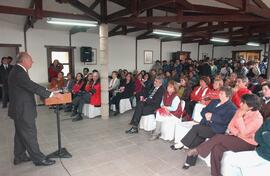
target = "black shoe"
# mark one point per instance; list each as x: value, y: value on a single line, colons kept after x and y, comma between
x: 68, y: 110
x: 174, y: 148
x: 78, y: 118
x: 17, y: 161
x: 116, y: 113
x: 73, y: 113
x: 45, y: 162
x: 132, y: 130
x: 185, y: 166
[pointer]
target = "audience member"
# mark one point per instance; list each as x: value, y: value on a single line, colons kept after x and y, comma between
x: 54, y: 69
x: 147, y: 105
x: 240, y: 135
x: 240, y: 89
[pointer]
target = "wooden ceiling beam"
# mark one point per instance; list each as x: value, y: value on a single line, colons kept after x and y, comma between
x: 29, y: 22
x: 260, y: 4
x: 103, y: 11
x: 78, y: 5
x: 234, y: 3
x: 94, y: 4
x: 149, y: 4
x: 201, y: 18
x: 118, y: 14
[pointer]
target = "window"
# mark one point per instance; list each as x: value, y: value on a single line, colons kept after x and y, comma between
x: 64, y: 55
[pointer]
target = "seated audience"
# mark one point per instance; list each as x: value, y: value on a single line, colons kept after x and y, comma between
x: 197, y: 94
x: 113, y: 85
x: 69, y: 83
x: 126, y: 90
x: 184, y: 89
x: 216, y: 117
x: 231, y: 81
x: 138, y: 90
x: 57, y: 83
x: 239, y: 90
x: 147, y: 84
x: 54, y: 69
x: 147, y: 105
x: 265, y: 109
x: 240, y: 135
x: 170, y: 109
x: 91, y: 95
x: 211, y: 95
x: 243, y: 163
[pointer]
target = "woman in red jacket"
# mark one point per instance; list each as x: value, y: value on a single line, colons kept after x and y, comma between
x: 240, y: 90
x: 92, y: 95
x: 197, y: 94
x: 54, y: 69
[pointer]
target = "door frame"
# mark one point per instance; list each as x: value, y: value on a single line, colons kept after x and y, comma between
x: 51, y: 48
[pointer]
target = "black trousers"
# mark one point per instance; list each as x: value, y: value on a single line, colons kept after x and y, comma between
x: 196, y: 135
x: 79, y: 101
x: 116, y: 100
x: 141, y: 109
x: 26, y: 140
x: 4, y: 94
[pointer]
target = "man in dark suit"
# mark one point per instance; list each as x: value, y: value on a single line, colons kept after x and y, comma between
x: 147, y: 105
x: 5, y: 69
x: 22, y: 109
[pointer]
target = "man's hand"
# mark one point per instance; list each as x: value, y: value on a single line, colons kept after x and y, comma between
x: 58, y: 96
x: 208, y: 116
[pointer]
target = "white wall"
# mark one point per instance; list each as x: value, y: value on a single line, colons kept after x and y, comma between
x: 36, y: 41
x: 205, y: 50
x: 168, y: 48
x: 8, y: 51
x: 11, y: 34
x: 148, y: 44
x: 226, y: 51
x: 191, y: 47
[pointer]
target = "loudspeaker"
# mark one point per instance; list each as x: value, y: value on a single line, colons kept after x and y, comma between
x: 86, y: 54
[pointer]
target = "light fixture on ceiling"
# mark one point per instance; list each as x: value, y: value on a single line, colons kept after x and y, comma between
x: 253, y: 44
x: 221, y: 40
x: 167, y: 33
x: 71, y: 22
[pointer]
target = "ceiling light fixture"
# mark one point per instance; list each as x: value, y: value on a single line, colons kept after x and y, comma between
x: 253, y: 44
x: 71, y: 22
x: 167, y: 33
x: 221, y: 40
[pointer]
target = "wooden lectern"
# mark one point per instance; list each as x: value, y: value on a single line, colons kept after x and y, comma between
x: 61, y: 152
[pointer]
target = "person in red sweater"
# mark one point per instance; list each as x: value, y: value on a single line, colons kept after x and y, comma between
x: 92, y: 95
x: 197, y: 94
x: 240, y: 89
x: 78, y: 86
x: 54, y: 69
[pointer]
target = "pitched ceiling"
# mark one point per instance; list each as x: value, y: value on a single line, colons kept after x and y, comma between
x: 198, y: 20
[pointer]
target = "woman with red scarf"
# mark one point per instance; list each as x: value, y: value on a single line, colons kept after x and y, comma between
x: 54, y: 69
x: 170, y: 111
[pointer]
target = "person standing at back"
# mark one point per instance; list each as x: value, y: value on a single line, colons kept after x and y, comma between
x: 5, y: 69
x: 22, y: 110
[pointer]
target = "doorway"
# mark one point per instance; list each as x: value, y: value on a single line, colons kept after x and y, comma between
x: 64, y: 54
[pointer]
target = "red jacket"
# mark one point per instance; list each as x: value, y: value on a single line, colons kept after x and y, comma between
x: 236, y: 98
x: 211, y: 95
x: 77, y: 87
x: 198, y: 93
x: 53, y: 71
x: 95, y: 98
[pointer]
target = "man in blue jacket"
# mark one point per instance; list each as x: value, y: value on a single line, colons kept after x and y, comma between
x: 216, y: 117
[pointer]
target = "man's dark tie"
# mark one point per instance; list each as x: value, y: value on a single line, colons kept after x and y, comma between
x: 153, y: 93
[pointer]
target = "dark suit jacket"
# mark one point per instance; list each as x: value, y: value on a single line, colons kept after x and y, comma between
x: 156, y: 99
x: 4, y: 73
x: 21, y: 95
x: 221, y: 115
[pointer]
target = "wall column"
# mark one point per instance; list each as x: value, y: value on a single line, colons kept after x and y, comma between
x: 104, y: 69
x: 268, y: 64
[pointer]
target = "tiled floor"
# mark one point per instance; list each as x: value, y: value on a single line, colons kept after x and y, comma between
x: 99, y: 148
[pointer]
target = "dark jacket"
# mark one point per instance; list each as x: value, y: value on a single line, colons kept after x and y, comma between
x: 21, y: 94
x: 221, y: 115
x: 4, y: 74
x: 262, y: 137
x: 156, y: 99
x: 129, y: 89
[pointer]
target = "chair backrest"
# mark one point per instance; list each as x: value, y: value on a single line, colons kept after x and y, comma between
x: 183, y: 104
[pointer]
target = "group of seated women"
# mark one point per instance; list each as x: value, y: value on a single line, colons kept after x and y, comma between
x: 84, y: 91
x: 230, y: 119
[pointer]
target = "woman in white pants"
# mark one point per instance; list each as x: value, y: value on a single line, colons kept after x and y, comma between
x: 169, y: 113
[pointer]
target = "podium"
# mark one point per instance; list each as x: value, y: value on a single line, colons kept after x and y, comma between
x: 61, y: 152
